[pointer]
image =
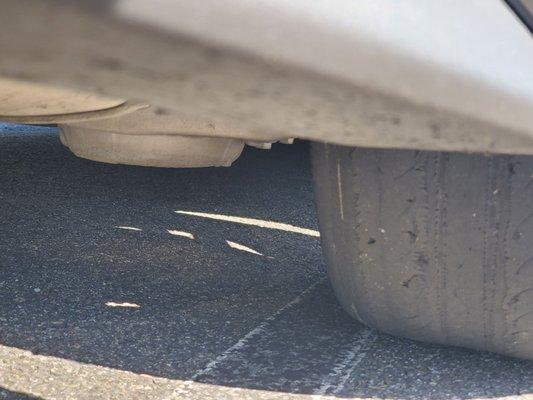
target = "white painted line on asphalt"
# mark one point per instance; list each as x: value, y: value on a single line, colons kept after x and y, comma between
x: 252, y: 221
x: 181, y: 233
x: 258, y: 330
x: 342, y: 371
x: 242, y: 247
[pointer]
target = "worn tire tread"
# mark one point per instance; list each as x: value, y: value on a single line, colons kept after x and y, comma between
x: 432, y: 246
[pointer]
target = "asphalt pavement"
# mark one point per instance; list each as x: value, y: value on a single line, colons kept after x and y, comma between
x: 126, y: 282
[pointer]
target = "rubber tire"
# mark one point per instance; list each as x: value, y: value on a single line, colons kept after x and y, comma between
x: 431, y: 246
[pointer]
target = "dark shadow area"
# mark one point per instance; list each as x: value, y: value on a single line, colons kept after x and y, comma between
x: 89, y: 272
x: 8, y: 394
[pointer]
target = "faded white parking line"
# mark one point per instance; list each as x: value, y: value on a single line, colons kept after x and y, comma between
x: 257, y: 331
x: 309, y: 348
x: 341, y: 372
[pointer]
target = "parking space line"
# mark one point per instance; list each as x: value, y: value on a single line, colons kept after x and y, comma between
x: 257, y: 331
x: 340, y: 374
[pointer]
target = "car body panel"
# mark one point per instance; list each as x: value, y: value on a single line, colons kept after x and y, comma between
x: 399, y: 74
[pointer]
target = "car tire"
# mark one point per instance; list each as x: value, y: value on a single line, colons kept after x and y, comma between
x: 431, y: 246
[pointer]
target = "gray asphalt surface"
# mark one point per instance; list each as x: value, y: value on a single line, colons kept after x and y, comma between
x: 197, y: 318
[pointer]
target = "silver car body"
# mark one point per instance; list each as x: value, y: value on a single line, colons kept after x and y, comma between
x: 435, y: 75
